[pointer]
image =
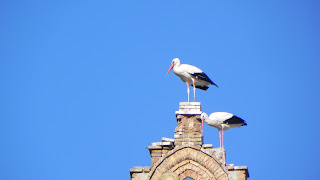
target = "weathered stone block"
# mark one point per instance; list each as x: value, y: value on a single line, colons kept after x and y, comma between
x: 165, y: 139
x: 207, y: 146
x: 170, y: 176
x: 162, y: 144
x: 154, y: 147
x: 136, y: 169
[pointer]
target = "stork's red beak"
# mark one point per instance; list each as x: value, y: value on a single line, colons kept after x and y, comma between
x: 170, y: 69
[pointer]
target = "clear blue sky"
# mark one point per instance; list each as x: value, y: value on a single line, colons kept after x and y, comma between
x: 83, y: 85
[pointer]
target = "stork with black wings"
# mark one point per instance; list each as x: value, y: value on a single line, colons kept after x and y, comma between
x: 191, y: 75
x: 222, y: 121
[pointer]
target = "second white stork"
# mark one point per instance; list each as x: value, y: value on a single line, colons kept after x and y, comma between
x: 222, y: 121
x: 191, y: 75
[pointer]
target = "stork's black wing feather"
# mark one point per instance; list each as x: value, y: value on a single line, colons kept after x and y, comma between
x: 202, y: 76
x: 235, y: 120
x: 202, y: 87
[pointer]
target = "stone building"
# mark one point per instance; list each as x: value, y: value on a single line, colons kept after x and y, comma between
x: 186, y: 155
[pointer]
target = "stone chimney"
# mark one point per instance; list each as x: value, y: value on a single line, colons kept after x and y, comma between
x: 188, y: 131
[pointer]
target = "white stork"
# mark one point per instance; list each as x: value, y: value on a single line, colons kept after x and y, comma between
x: 222, y: 121
x: 191, y: 75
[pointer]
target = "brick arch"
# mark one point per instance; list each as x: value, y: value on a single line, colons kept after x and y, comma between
x: 190, y: 162
x: 192, y: 174
x: 192, y: 169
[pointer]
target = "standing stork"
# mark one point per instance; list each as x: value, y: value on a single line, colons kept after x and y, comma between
x: 191, y: 75
x: 222, y: 121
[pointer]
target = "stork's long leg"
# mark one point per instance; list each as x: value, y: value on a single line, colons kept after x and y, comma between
x: 194, y: 91
x: 220, y: 137
x: 188, y: 91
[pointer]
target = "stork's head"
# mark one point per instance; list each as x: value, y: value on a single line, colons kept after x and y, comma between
x: 175, y: 62
x: 203, y: 118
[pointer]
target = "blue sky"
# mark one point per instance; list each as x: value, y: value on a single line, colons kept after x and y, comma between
x: 84, y: 91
